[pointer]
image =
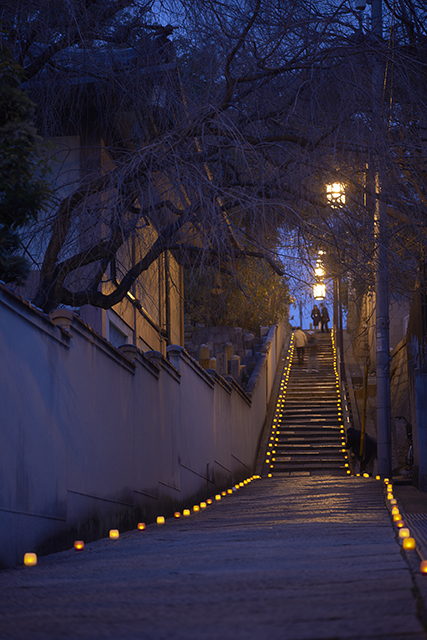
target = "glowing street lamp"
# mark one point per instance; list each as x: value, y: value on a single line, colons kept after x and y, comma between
x: 319, y: 291
x: 335, y: 194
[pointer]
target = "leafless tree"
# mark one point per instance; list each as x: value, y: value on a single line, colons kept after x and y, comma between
x: 209, y: 130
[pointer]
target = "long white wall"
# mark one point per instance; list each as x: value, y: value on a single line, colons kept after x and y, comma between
x: 93, y: 439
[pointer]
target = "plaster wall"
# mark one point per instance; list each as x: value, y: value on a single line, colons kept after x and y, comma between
x: 92, y: 439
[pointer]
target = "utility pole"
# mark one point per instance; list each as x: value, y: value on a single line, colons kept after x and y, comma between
x: 381, y: 275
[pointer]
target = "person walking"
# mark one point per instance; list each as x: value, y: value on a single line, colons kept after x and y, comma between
x: 300, y: 341
x: 324, y: 318
x: 315, y: 316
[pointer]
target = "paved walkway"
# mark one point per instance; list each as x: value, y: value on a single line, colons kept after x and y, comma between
x: 281, y: 559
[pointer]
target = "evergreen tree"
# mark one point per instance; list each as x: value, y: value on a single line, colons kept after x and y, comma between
x: 22, y: 190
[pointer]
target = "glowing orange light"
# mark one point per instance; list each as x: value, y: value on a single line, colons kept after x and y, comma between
x: 229, y: 490
x: 396, y: 517
x: 141, y: 526
x: 270, y: 475
x: 241, y: 484
x: 209, y: 501
x: 404, y: 533
x: 79, y: 545
x: 366, y: 475
x: 393, y: 500
x: 377, y: 477
x: 177, y: 514
x: 223, y: 493
x: 203, y: 505
x: 196, y: 507
x: 160, y: 520
x: 394, y: 510
x: 409, y: 544
x: 386, y: 480
x: 186, y: 513
x: 30, y: 559
x: 423, y: 566
x: 348, y: 471
x: 217, y: 497
x: 400, y: 524
x: 114, y: 534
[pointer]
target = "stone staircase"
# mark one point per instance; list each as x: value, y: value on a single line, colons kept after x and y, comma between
x: 307, y: 435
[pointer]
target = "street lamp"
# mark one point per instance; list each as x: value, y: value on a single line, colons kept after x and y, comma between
x: 319, y: 291
x: 335, y: 194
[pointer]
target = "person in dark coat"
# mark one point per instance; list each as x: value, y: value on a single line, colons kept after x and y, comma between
x: 324, y: 318
x: 315, y: 316
x: 353, y: 444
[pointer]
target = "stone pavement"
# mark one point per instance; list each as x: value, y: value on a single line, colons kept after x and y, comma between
x: 301, y: 558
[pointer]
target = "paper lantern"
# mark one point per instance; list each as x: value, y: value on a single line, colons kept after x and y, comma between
x: 186, y: 513
x: 229, y: 490
x: 160, y: 520
x: 409, y: 544
x: 177, y: 514
x: 203, y: 505
x: 396, y: 517
x: 394, y: 510
x: 377, y: 477
x: 209, y: 501
x: 79, y: 545
x: 393, y: 500
x: 114, y: 534
x: 423, y: 566
x: 217, y: 497
x: 196, y: 507
x: 366, y: 475
x: 141, y: 526
x: 400, y: 524
x: 223, y: 493
x: 404, y: 532
x: 30, y: 559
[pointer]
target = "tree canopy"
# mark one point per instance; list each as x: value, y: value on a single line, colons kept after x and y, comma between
x: 210, y: 129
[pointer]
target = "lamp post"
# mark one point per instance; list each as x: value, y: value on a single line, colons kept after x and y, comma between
x: 335, y: 194
x: 319, y: 287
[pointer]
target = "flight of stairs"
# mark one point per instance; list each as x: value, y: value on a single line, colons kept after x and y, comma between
x: 307, y: 435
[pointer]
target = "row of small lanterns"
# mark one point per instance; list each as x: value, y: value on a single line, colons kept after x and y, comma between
x: 271, y: 451
x: 339, y: 407
x: 408, y: 542
x: 30, y: 559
